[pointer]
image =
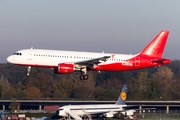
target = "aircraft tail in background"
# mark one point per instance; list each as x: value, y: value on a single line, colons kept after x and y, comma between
x: 122, y: 96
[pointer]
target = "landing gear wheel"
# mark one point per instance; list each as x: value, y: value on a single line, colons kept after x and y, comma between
x: 83, y: 77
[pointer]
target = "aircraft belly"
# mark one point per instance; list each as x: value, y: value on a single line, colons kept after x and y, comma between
x: 119, y: 67
x: 125, y: 66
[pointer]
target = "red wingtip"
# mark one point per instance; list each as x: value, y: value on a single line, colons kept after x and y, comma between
x: 156, y: 47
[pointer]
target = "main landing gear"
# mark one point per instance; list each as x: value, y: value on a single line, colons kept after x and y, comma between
x: 83, y: 75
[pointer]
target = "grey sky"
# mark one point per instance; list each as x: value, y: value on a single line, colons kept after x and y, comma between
x: 113, y: 26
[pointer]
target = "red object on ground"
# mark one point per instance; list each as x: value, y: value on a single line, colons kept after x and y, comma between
x: 14, y: 118
x: 51, y: 108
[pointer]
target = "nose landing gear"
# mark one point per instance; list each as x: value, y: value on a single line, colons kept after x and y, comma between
x: 28, y: 70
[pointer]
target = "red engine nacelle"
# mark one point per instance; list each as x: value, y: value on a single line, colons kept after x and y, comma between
x: 64, y: 69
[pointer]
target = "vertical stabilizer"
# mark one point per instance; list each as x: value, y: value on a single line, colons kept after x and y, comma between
x: 122, y: 97
x: 156, y: 47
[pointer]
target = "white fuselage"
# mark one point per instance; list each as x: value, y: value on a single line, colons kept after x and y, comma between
x: 94, y: 110
x: 51, y: 58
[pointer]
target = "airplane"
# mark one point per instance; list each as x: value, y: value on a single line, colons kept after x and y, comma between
x: 98, y: 110
x: 64, y: 62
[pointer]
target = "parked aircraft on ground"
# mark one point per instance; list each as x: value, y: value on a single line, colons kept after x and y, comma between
x: 64, y: 62
x: 104, y: 110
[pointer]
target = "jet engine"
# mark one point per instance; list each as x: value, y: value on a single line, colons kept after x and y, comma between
x: 64, y: 69
x: 109, y: 115
x: 129, y: 112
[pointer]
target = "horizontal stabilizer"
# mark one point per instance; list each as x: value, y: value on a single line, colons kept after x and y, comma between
x: 163, y: 61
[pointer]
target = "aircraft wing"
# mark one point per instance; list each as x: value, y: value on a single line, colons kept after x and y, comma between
x: 137, y: 109
x: 125, y: 110
x: 91, y: 62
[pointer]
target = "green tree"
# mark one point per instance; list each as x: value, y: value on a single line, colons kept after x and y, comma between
x: 140, y: 88
x: 7, y: 91
x: 164, y: 82
x: 83, y: 91
x: 43, y: 83
x: 33, y: 92
x: 1, y: 86
x: 14, y: 105
x: 64, y: 88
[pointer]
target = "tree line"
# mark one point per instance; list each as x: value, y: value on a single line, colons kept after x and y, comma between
x: 159, y: 83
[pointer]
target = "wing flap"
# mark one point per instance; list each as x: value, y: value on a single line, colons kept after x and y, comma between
x: 93, y: 62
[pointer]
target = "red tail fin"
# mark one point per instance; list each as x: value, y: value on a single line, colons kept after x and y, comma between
x: 156, y: 47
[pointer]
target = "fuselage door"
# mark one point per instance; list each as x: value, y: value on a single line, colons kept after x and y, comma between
x: 29, y: 54
x: 137, y: 61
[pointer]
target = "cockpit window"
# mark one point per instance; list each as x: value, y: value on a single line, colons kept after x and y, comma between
x: 61, y: 109
x: 17, y: 54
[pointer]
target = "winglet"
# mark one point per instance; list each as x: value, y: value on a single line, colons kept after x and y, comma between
x: 122, y: 97
x: 156, y: 47
x: 112, y: 56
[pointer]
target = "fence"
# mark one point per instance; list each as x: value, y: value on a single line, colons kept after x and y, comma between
x: 159, y: 115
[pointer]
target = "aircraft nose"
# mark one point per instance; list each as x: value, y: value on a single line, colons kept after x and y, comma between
x: 57, y: 112
x: 10, y: 59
